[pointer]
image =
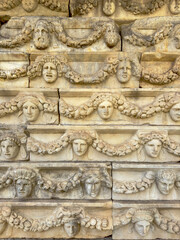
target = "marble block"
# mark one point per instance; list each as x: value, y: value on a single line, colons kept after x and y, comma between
x: 157, y: 34
x: 125, y: 106
x: 121, y: 144
x: 146, y: 182
x: 160, y: 70
x: 124, y: 10
x: 146, y: 221
x: 61, y: 219
x: 34, y: 8
x: 55, y: 181
x: 13, y: 69
x: 87, y: 70
x: 37, y: 33
x: 30, y: 106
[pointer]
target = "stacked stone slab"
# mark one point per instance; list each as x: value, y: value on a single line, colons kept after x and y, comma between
x: 90, y: 119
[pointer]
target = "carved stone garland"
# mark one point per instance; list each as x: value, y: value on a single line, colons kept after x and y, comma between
x: 138, y: 39
x: 54, y: 5
x: 50, y: 185
x: 15, y: 104
x: 100, y: 145
x: 164, y: 78
x: 99, y: 30
x: 166, y: 224
x: 162, y: 103
x: 58, y: 218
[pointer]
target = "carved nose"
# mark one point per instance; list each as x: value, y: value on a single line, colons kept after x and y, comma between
x: 79, y: 147
x: 29, y: 110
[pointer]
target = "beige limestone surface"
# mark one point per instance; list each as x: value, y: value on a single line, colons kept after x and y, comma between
x: 157, y: 34
x: 124, y: 10
x: 29, y: 181
x: 62, y: 219
x: 34, y: 8
x: 120, y: 106
x: 40, y: 34
x: 146, y: 182
x: 121, y: 144
x: 87, y: 70
x: 146, y: 221
x: 30, y: 106
x: 13, y: 69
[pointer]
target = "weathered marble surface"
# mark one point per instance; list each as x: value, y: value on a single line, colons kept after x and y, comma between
x: 30, y: 106
x: 56, y: 219
x: 149, y: 221
x: 146, y: 182
x: 55, y: 181
x: 160, y: 69
x: 34, y: 8
x: 124, y: 11
x: 88, y: 70
x: 124, y: 143
x: 158, y: 34
x: 30, y: 34
x: 89, y: 107
x: 13, y: 69
x: 13, y: 139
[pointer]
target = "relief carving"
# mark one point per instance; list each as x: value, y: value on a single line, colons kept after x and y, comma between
x: 142, y: 221
x: 29, y: 106
x: 31, y: 5
x: 167, y: 77
x: 41, y: 31
x: 105, y: 103
x: 165, y: 180
x: 109, y: 7
x: 27, y: 182
x: 13, y: 143
x: 71, y: 218
x: 52, y: 67
x: 155, y: 141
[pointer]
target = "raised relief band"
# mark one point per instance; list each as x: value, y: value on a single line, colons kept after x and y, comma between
x: 143, y: 146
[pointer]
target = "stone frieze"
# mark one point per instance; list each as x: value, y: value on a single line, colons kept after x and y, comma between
x: 61, y: 181
x: 123, y: 11
x: 58, y: 34
x: 30, y: 107
x: 56, y: 220
x: 145, y: 221
x: 161, y: 34
x: 146, y: 182
x: 128, y: 144
x: 120, y: 107
x: 34, y: 7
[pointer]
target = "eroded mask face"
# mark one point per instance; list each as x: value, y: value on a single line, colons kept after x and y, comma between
x: 105, y: 110
x: 23, y: 188
x: 79, y: 147
x: 109, y: 7
x: 93, y: 186
x: 153, y: 148
x: 49, y: 72
x: 29, y: 5
x: 9, y: 149
x: 111, y: 36
x: 177, y: 39
x: 142, y: 227
x: 41, y: 37
x: 124, y: 71
x: 71, y: 228
x: 165, y: 185
x: 30, y: 111
x: 175, y: 112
